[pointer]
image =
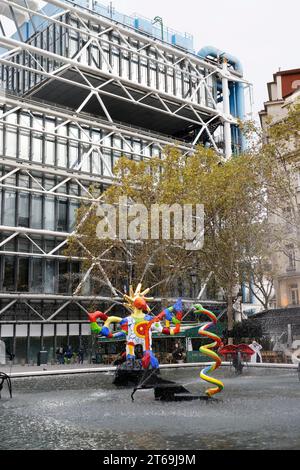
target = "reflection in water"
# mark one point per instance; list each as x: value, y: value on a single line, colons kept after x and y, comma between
x: 259, y: 409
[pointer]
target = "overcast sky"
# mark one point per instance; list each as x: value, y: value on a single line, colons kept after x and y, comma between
x: 263, y: 34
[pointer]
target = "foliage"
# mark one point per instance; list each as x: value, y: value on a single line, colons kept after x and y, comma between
x: 238, y: 196
x: 279, y: 146
x: 267, y: 343
x: 247, y: 329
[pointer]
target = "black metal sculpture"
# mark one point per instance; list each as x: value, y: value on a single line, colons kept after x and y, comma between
x: 5, y: 378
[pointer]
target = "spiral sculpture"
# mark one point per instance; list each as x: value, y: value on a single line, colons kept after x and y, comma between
x: 207, y: 351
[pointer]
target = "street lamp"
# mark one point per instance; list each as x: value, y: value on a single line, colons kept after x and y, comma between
x: 194, y: 281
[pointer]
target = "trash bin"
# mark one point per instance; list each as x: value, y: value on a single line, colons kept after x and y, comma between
x: 42, y: 358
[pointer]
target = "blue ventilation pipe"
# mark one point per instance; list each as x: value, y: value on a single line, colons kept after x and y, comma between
x: 237, y: 97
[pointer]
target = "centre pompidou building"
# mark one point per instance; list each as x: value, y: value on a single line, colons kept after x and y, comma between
x: 81, y: 85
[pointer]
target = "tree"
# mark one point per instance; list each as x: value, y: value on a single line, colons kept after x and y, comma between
x: 234, y: 197
x: 261, y: 275
x: 155, y: 262
x: 247, y: 329
x: 279, y: 145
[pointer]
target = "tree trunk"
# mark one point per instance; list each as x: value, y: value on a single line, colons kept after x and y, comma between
x: 230, y: 316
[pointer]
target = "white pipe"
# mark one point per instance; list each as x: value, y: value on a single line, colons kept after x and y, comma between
x: 226, y: 112
x: 4, y: 228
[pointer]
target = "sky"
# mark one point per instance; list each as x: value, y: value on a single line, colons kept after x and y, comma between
x: 263, y: 34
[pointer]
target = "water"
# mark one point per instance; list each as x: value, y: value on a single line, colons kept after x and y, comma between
x: 258, y: 410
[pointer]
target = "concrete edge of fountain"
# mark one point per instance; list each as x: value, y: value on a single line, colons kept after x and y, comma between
x: 94, y: 370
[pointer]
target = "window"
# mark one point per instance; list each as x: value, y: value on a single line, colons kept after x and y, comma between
x: 23, y: 275
x: 152, y: 77
x: 1, y: 139
x: 291, y: 258
x: 37, y: 276
x: 36, y: 211
x: 62, y: 219
x: 11, y: 142
x: 107, y: 164
x: 49, y: 286
x: 24, y: 149
x: 95, y: 57
x: 50, y: 152
x: 62, y: 153
x: 74, y: 154
x: 23, y: 245
x: 9, y: 208
x: 49, y: 214
x: 23, y: 216
x: 63, y: 279
x: 125, y: 68
x: 24, y: 137
x: 294, y: 294
x: 170, y: 81
x: 162, y: 81
x: 85, y: 159
x: 37, y: 147
x: 96, y: 163
x: 75, y: 270
x: 72, y: 215
x: 9, y: 273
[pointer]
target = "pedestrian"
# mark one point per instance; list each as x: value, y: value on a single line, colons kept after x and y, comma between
x: 60, y: 355
x: 80, y: 355
x: 68, y: 354
x: 120, y: 359
x: 177, y: 353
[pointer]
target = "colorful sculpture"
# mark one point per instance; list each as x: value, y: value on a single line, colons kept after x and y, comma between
x: 138, y: 327
x: 207, y: 351
x: 234, y: 349
x: 236, y: 354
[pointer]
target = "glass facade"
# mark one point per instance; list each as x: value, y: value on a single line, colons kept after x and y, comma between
x: 42, y: 199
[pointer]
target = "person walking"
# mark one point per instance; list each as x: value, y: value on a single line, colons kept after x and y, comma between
x: 178, y: 353
x: 68, y: 354
x: 80, y: 355
x: 60, y: 355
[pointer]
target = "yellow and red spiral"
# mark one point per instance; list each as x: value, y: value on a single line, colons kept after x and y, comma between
x: 207, y: 351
